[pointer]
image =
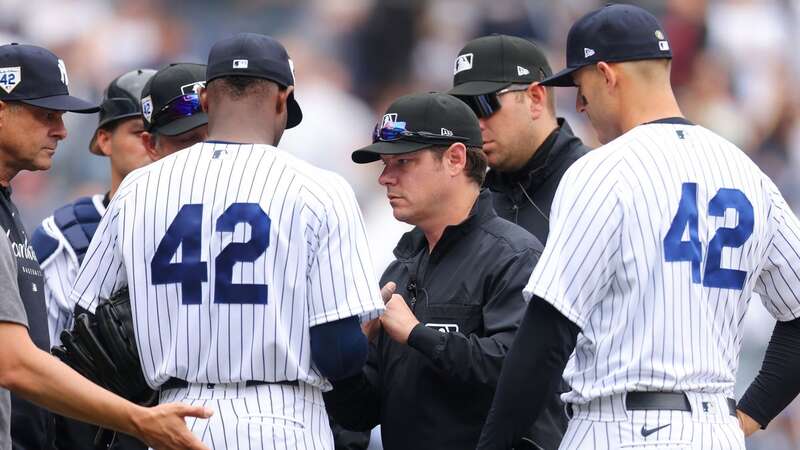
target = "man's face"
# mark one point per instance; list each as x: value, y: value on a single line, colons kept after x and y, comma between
x: 507, y: 133
x: 128, y: 152
x: 593, y: 100
x: 29, y: 136
x: 414, y: 184
x: 168, y: 145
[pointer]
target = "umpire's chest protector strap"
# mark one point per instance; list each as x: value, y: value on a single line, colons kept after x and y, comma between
x: 78, y: 222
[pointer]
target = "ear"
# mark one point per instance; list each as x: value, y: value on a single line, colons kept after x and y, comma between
x: 204, y: 99
x: 455, y: 158
x: 4, y: 107
x: 103, y: 142
x: 609, y: 74
x: 281, y: 106
x: 150, y: 146
x: 537, y: 94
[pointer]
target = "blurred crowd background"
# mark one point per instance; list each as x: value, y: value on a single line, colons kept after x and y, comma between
x: 735, y: 71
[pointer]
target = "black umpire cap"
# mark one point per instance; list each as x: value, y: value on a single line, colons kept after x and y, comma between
x: 170, y: 99
x: 258, y: 56
x: 418, y: 121
x: 121, y: 100
x: 491, y: 63
x: 34, y: 75
x: 614, y: 33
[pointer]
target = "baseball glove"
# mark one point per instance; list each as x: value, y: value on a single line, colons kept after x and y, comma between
x: 102, y: 348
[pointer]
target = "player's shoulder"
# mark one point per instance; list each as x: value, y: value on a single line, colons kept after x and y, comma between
x: 319, y: 181
x: 71, y: 226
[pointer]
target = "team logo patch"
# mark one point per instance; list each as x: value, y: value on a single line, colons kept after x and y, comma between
x: 444, y: 327
x: 10, y: 77
x: 522, y: 71
x: 587, y: 52
x: 663, y: 46
x: 659, y: 35
x: 192, y: 88
x: 147, y: 108
x: 463, y: 62
x: 390, y: 118
x: 63, y: 69
x: 240, y: 63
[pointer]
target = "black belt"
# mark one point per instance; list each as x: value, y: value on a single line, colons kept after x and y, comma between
x: 177, y: 383
x: 664, y: 401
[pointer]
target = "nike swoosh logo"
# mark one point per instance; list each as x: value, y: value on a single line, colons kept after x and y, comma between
x: 646, y: 432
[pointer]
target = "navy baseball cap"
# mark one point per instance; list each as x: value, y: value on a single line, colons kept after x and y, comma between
x: 614, y: 33
x: 418, y: 121
x: 170, y: 102
x: 491, y: 63
x: 34, y: 75
x: 255, y: 55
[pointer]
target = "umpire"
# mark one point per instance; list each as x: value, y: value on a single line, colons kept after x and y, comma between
x: 527, y: 146
x: 432, y: 370
x: 528, y: 149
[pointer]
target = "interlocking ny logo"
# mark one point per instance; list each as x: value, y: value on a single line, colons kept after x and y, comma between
x: 63, y: 69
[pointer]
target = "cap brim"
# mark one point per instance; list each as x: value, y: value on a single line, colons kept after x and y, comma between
x: 478, y: 87
x: 64, y: 103
x: 295, y: 113
x: 561, y: 79
x: 182, y: 125
x: 372, y: 153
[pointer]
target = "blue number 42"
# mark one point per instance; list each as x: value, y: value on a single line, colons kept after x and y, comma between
x: 676, y: 249
x: 191, y: 272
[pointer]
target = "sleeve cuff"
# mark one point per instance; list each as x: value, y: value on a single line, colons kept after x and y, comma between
x: 427, y: 340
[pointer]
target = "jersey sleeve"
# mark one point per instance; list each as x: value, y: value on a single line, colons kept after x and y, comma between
x: 583, y: 248
x: 340, y: 277
x: 102, y: 271
x: 778, y: 284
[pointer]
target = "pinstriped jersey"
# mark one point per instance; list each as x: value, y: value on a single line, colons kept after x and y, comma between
x: 60, y: 269
x: 658, y: 241
x: 231, y: 253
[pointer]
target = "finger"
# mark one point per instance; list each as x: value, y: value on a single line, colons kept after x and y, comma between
x: 194, y: 411
x: 387, y: 290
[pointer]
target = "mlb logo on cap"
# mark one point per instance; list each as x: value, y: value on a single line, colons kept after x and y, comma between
x: 240, y: 63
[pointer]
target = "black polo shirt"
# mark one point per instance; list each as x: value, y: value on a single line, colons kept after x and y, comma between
x: 29, y: 423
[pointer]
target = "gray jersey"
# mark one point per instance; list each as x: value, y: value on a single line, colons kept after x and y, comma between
x: 11, y: 310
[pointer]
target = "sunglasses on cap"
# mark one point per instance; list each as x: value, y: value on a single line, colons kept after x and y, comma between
x: 485, y: 105
x: 177, y: 108
x: 394, y: 131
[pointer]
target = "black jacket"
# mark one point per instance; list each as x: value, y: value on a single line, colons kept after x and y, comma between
x: 435, y: 392
x: 538, y: 179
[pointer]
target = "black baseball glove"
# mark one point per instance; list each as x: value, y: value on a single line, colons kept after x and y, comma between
x: 102, y: 348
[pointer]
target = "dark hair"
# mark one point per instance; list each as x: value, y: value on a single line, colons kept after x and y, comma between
x: 476, y: 161
x: 238, y: 86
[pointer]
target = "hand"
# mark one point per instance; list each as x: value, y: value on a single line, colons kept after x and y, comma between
x: 372, y: 328
x: 747, y: 423
x: 398, y: 320
x: 163, y: 427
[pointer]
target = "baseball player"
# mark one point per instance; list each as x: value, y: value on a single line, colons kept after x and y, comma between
x: 248, y: 269
x: 658, y: 240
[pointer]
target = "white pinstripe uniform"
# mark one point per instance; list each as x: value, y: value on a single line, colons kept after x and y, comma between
x: 232, y: 252
x: 658, y: 240
x: 60, y: 269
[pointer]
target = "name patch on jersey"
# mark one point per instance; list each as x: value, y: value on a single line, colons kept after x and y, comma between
x: 10, y: 77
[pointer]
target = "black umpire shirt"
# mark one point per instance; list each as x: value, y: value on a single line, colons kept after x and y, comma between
x: 435, y: 392
x: 525, y: 196
x: 30, y: 425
